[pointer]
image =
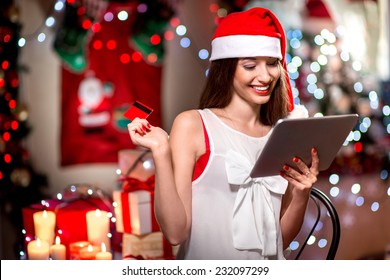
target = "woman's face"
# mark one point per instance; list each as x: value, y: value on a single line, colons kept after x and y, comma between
x: 255, y: 78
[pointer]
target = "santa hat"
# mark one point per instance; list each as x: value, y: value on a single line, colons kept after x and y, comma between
x: 255, y: 32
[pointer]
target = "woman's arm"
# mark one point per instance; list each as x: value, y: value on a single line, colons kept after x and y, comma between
x: 174, y: 160
x: 295, y: 199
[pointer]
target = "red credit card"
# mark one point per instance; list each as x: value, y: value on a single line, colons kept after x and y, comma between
x: 138, y: 110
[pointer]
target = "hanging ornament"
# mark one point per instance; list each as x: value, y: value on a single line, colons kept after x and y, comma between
x: 71, y: 40
x: 149, y: 28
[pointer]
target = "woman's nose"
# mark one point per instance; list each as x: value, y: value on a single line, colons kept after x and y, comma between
x: 263, y: 75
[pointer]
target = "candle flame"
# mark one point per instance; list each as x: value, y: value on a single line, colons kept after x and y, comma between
x: 38, y: 242
x: 104, y: 247
x: 58, y: 240
x: 98, y: 213
x: 90, y: 248
x: 44, y: 214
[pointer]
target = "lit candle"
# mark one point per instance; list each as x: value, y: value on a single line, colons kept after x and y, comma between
x: 104, y: 255
x: 58, y: 250
x: 74, y: 249
x: 98, y: 227
x: 44, y: 225
x: 89, y: 252
x: 38, y: 250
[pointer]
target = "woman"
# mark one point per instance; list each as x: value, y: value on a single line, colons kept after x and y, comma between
x: 204, y: 197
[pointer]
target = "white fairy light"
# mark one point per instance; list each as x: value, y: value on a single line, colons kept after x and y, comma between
x: 334, y: 179
x: 22, y: 42
x: 50, y: 21
x: 334, y: 191
x: 355, y: 189
x: 123, y: 15
x: 41, y: 37
x: 312, y: 240
x: 181, y: 30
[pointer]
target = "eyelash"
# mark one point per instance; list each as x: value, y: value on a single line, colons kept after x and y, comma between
x: 272, y: 63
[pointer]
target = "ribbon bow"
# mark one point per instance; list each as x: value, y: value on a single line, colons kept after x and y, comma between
x: 132, y: 184
x: 253, y: 225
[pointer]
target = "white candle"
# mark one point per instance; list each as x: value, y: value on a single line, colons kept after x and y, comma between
x: 103, y: 254
x: 38, y: 250
x: 58, y: 250
x: 98, y: 227
x: 44, y: 225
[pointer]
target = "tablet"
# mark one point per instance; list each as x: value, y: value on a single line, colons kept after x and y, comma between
x: 296, y: 137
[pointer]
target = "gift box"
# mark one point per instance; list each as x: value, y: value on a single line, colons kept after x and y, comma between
x: 148, y: 246
x: 71, y: 222
x: 134, y: 207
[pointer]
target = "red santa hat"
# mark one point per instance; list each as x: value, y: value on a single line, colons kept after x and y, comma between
x: 255, y: 32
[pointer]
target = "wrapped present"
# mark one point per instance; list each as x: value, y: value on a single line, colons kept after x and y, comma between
x: 70, y: 211
x: 147, y: 246
x: 134, y: 209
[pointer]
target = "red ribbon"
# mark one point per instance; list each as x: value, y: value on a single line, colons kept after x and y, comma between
x: 131, y: 185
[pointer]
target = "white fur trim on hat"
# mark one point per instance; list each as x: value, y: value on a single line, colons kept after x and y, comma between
x: 299, y: 111
x: 245, y: 46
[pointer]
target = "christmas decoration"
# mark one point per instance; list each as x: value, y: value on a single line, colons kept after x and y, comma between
x: 73, y: 221
x: 95, y: 99
x: 20, y: 183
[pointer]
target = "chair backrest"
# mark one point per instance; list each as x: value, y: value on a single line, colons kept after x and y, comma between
x: 321, y: 201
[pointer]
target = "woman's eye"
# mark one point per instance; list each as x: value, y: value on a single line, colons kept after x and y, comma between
x: 273, y: 62
x: 249, y: 67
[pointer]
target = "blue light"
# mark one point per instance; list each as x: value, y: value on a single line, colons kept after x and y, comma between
x: 295, y: 43
x: 185, y: 42
x: 294, y: 245
x: 203, y: 54
x: 359, y: 201
x: 375, y: 207
x: 322, y: 243
x: 384, y: 174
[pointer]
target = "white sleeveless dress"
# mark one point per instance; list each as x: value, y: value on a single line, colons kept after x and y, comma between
x: 233, y: 215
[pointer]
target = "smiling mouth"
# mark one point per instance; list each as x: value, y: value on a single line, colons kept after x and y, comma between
x: 261, y: 90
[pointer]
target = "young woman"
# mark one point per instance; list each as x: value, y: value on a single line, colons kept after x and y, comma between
x: 205, y: 199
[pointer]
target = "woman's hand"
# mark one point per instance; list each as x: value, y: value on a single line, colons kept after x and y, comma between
x: 302, y: 177
x: 146, y: 135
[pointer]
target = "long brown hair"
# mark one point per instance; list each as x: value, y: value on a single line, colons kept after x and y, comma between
x: 218, y: 91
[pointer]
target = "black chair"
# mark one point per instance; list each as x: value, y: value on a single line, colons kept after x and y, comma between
x: 320, y: 199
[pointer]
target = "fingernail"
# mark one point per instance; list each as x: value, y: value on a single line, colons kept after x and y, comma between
x: 148, y: 125
x: 295, y: 159
x: 314, y: 151
x: 285, y: 167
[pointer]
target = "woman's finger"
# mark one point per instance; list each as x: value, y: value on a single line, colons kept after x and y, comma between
x: 315, y: 161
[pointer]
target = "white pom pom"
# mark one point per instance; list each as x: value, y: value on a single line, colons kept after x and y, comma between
x: 299, y: 111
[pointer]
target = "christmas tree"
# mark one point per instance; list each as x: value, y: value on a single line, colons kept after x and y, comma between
x: 20, y: 184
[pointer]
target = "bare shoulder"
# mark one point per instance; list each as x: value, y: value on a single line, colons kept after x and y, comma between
x: 187, y: 133
x: 188, y: 121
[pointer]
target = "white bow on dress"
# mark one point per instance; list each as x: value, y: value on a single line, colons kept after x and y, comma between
x: 254, y: 225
